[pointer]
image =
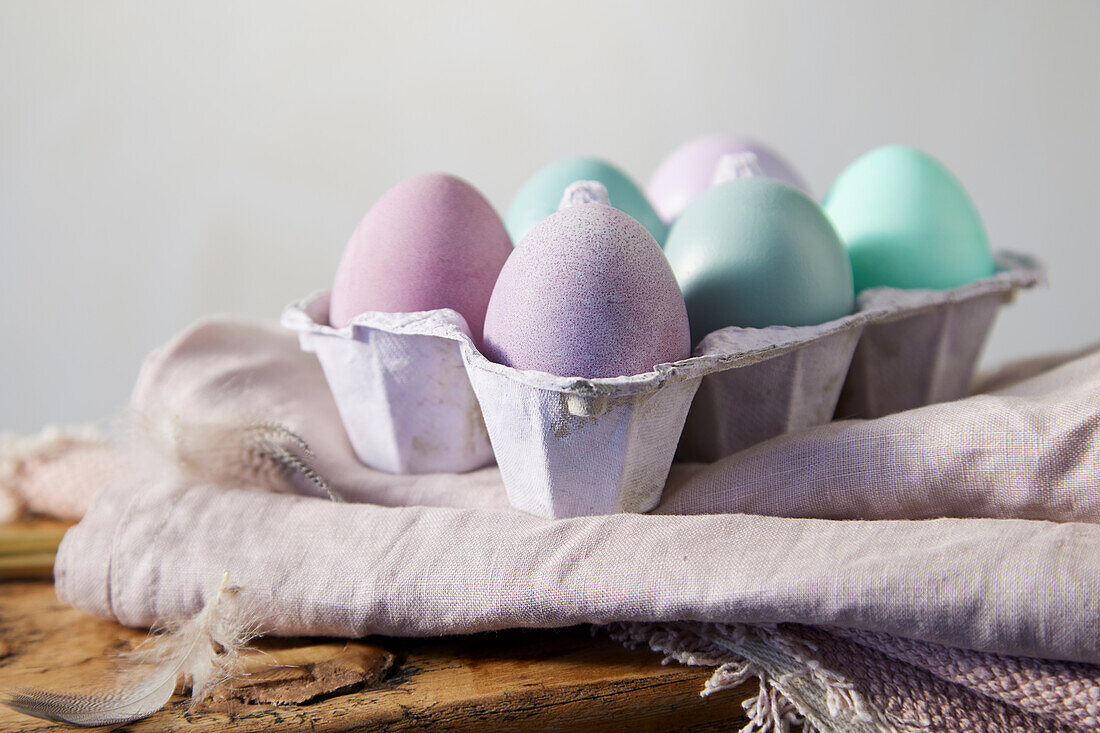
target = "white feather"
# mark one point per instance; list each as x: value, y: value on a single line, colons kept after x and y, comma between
x: 202, y: 652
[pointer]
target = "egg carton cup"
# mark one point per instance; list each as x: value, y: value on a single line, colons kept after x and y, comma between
x: 400, y: 386
x: 571, y: 447
x: 920, y: 346
x: 763, y: 382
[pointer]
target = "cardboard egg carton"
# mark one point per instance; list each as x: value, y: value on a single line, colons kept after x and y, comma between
x: 416, y: 395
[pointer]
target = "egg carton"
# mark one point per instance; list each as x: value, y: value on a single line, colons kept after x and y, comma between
x: 920, y: 346
x: 416, y: 395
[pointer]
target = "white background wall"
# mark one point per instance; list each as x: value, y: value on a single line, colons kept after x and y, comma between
x: 159, y: 162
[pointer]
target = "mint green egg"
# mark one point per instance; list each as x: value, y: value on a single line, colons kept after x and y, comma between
x: 907, y: 222
x: 540, y: 195
x: 755, y: 252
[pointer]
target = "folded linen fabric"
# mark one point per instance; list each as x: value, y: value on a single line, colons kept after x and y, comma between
x: 1009, y: 586
x: 1009, y: 565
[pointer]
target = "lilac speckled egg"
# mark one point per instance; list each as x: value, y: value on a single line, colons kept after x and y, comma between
x: 431, y: 241
x: 587, y: 293
x: 689, y: 170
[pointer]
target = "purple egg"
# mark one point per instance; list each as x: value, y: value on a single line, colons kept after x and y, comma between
x: 587, y: 293
x: 689, y: 170
x: 431, y: 241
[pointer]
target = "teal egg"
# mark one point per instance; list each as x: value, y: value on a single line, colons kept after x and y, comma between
x: 755, y: 252
x: 907, y: 222
x: 540, y: 195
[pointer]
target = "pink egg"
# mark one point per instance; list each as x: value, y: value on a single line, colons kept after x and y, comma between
x: 587, y: 293
x: 689, y: 170
x: 431, y: 241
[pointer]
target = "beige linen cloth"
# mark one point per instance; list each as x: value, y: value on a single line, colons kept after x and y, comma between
x: 812, y: 528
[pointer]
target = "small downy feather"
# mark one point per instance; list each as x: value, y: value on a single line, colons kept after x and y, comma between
x: 227, y: 452
x: 202, y: 652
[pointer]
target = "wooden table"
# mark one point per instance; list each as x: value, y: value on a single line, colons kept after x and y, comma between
x: 564, y: 679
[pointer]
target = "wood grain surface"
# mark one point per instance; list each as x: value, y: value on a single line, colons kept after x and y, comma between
x: 554, y: 680
x: 27, y: 547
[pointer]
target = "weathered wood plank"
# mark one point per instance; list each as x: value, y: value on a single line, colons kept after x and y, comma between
x: 552, y: 680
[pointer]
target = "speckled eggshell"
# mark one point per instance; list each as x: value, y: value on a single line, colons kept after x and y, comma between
x: 539, y: 197
x: 755, y: 252
x: 907, y: 222
x: 689, y: 170
x: 587, y: 293
x: 431, y: 241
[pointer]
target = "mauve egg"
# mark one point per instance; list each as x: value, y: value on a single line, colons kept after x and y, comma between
x: 539, y: 197
x: 587, y: 293
x: 431, y: 241
x: 689, y: 170
x: 907, y: 222
x: 755, y: 252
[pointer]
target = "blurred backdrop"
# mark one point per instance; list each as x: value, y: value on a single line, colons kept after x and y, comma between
x: 163, y: 161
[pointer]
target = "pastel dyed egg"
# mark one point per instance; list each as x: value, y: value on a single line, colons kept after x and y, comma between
x: 587, y: 293
x: 689, y: 170
x: 539, y: 197
x: 431, y: 241
x: 907, y: 222
x: 755, y: 252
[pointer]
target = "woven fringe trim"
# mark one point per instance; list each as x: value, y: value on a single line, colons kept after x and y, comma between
x: 785, y: 699
x: 16, y: 450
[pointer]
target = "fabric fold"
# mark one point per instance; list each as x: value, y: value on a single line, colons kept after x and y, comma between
x: 315, y: 567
